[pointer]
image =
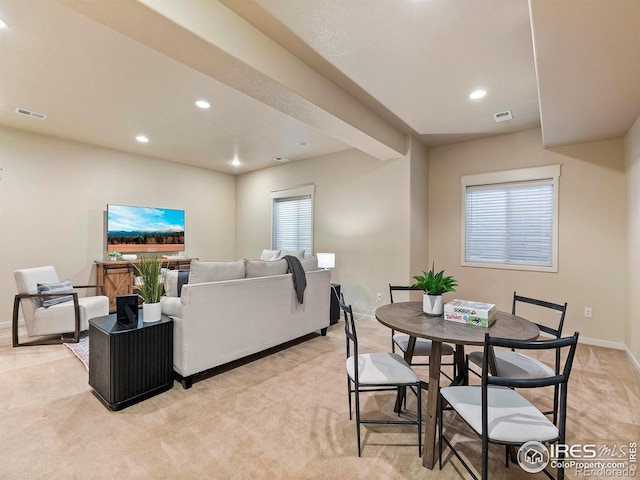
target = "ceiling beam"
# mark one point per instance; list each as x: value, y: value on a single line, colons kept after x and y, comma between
x: 209, y: 37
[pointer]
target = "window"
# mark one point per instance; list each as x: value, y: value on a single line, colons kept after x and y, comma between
x: 510, y: 219
x: 292, y: 227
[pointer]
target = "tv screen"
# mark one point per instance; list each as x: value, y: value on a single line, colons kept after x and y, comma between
x: 144, y: 229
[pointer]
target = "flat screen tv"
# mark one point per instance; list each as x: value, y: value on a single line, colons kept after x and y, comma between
x: 144, y: 229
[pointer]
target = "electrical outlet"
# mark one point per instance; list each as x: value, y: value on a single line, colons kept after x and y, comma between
x: 588, y: 313
x: 379, y: 297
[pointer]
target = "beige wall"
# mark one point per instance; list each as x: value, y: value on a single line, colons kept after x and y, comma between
x: 375, y: 215
x: 632, y: 156
x: 419, y: 203
x: 592, y: 228
x: 54, y: 193
x: 361, y: 213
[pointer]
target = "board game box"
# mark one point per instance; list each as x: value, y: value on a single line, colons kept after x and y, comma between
x: 473, y: 313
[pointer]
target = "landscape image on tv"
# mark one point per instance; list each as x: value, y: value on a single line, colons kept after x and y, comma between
x: 144, y: 229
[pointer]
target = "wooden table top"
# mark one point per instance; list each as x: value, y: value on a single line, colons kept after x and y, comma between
x: 408, y: 317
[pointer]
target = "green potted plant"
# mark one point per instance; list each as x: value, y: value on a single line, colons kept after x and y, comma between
x: 434, y: 286
x: 149, y: 269
x: 114, y: 255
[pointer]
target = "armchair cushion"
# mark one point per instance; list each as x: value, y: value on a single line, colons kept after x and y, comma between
x: 60, y: 318
x: 65, y: 286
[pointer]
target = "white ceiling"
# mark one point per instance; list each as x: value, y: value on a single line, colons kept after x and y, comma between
x: 328, y: 73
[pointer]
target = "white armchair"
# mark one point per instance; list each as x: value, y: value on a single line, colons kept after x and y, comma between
x: 71, y: 315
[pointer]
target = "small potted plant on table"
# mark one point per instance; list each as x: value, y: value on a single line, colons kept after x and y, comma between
x: 114, y: 255
x: 149, y: 269
x: 434, y: 286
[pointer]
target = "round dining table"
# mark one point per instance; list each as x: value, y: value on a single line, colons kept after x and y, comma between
x: 408, y: 317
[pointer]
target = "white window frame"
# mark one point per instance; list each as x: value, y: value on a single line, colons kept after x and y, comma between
x: 292, y: 193
x: 549, y: 173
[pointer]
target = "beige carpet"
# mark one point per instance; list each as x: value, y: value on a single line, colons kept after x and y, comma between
x: 284, y: 416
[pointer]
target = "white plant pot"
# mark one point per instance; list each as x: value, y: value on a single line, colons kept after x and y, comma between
x: 432, y: 305
x: 151, y: 312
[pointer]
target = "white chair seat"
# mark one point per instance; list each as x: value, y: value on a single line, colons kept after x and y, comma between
x: 422, y: 348
x: 515, y: 365
x: 60, y: 318
x: 381, y: 369
x: 511, y: 417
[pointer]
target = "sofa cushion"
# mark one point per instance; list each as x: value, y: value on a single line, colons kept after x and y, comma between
x: 309, y: 263
x: 295, y: 253
x: 65, y: 286
x: 173, y: 282
x: 261, y: 268
x: 268, y: 255
x: 215, y: 271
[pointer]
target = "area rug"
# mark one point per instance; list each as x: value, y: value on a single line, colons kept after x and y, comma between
x: 81, y: 349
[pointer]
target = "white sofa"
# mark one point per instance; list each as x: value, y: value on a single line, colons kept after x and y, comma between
x: 216, y: 322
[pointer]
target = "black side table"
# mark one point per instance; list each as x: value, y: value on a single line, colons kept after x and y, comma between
x: 334, y: 309
x: 130, y: 363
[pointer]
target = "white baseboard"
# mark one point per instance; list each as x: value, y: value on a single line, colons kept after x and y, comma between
x: 7, y: 324
x: 633, y: 360
x: 586, y: 340
x: 363, y: 316
x: 602, y: 343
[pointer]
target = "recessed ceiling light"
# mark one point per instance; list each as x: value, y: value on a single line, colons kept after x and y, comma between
x: 3, y: 24
x: 142, y: 138
x: 281, y: 159
x: 477, y: 94
x: 203, y: 104
x: 235, y: 162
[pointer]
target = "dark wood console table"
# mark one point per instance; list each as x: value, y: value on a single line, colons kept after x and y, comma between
x: 117, y: 276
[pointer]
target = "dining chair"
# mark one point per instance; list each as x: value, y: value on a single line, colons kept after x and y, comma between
x: 376, y: 372
x: 423, y: 345
x: 51, y: 307
x: 513, y: 364
x: 498, y: 414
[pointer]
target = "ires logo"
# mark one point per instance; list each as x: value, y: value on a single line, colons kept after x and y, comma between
x: 588, y: 460
x: 588, y: 450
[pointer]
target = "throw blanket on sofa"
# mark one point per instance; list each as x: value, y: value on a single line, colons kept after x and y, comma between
x: 297, y: 275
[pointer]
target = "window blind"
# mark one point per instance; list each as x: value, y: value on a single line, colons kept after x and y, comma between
x: 293, y: 223
x: 510, y: 224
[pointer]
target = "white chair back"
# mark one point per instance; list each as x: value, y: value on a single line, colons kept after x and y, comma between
x: 27, y: 280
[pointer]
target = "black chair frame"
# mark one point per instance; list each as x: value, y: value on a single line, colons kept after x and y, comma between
x: 556, y: 333
x: 560, y: 380
x: 405, y: 288
x: 355, y: 387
